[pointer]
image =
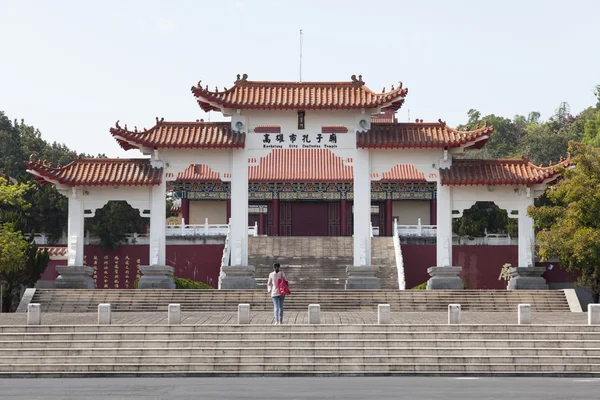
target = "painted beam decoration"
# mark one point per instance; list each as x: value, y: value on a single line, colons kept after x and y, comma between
x: 306, y: 191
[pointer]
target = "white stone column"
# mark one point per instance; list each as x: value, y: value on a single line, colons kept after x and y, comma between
x: 526, y: 235
x: 157, y: 274
x: 158, y: 222
x: 75, y: 275
x: 75, y: 229
x: 238, y: 275
x: 444, y: 226
x: 362, y: 208
x: 444, y: 276
x: 239, y: 208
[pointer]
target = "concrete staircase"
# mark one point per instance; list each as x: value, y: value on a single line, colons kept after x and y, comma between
x: 317, y: 263
x: 68, y: 301
x: 383, y: 255
x: 295, y: 350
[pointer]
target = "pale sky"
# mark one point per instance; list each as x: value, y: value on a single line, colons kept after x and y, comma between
x: 72, y: 68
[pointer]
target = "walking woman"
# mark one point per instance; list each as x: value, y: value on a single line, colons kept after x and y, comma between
x: 278, y: 298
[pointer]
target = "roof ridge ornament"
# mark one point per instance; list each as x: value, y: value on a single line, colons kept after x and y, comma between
x: 442, y: 123
x: 359, y: 81
x: 243, y: 79
x: 158, y: 121
x: 117, y: 125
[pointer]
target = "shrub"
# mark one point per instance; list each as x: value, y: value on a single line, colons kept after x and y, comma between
x: 182, y: 283
x: 422, y: 286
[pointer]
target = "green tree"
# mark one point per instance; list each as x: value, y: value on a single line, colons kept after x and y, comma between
x: 114, y: 222
x: 484, y: 216
x: 591, y: 134
x: 13, y: 258
x: 20, y: 263
x: 503, y: 142
x: 569, y: 228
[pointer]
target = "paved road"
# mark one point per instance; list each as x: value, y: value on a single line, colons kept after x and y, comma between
x: 421, y: 388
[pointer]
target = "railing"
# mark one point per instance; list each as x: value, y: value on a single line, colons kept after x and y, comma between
x: 490, y: 239
x: 253, y: 230
x: 417, y: 230
x: 399, y: 259
x: 225, y: 259
x: 374, y: 230
x: 205, y: 229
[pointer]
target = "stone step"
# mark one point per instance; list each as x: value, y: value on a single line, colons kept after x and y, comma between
x: 62, y: 300
x: 298, y: 351
x: 318, y: 259
x: 220, y: 350
x: 249, y: 344
x: 295, y: 336
x: 315, y: 329
x: 289, y: 367
x: 320, y: 360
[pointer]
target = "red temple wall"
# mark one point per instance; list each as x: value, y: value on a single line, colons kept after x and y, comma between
x: 481, y: 265
x: 118, y: 268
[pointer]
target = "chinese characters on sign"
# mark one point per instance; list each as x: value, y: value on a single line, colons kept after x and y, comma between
x: 301, y: 115
x: 293, y: 141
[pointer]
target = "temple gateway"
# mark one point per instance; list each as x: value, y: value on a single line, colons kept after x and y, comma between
x: 310, y: 159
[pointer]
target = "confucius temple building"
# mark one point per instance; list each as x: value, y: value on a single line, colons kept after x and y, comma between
x: 300, y: 159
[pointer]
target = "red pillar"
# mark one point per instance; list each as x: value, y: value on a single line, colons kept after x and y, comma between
x: 388, y: 217
x: 343, y: 222
x: 275, y: 217
x: 261, y: 223
x: 228, y: 209
x: 433, y: 212
x: 185, y: 210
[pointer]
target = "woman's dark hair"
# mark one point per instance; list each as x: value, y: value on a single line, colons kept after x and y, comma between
x: 276, y: 267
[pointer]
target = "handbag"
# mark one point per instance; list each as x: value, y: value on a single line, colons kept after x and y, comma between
x: 283, y: 286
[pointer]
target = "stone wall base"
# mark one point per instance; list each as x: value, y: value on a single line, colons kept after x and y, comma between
x: 444, y: 278
x: 156, y: 277
x: 362, y: 277
x: 74, y: 277
x: 527, y: 278
x: 238, y: 277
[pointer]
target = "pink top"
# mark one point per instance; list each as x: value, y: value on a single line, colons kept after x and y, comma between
x: 272, y: 283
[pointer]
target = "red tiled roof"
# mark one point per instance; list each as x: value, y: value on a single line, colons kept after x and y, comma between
x: 497, y: 172
x: 301, y: 165
x: 192, y: 135
x: 420, y: 135
x: 97, y: 172
x: 386, y: 117
x: 298, y: 96
x: 403, y: 173
x: 198, y: 173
